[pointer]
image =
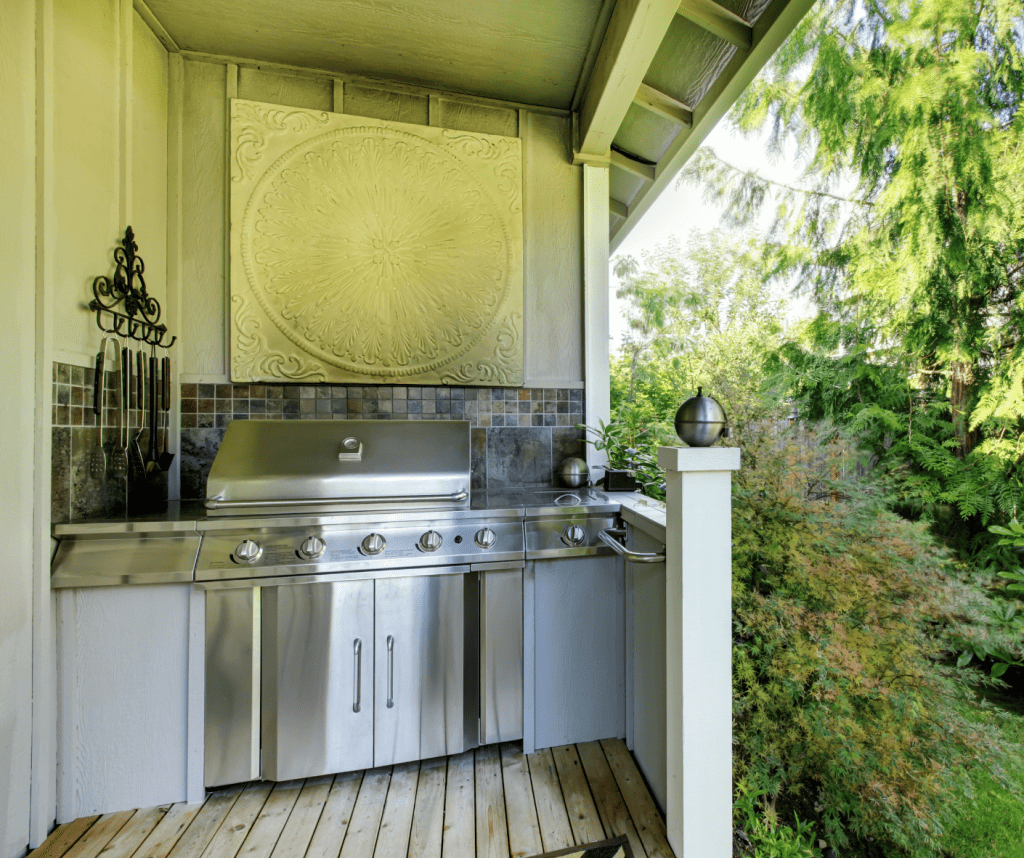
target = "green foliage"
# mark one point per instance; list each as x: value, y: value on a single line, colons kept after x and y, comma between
x: 907, y: 226
x: 844, y: 706
x: 993, y: 824
x: 756, y: 817
x: 631, y: 444
x: 706, y: 318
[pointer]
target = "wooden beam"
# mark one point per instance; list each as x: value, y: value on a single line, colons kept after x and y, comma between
x: 770, y: 31
x: 664, y: 105
x: 718, y: 20
x: 635, y: 32
x: 647, y: 172
x: 619, y: 209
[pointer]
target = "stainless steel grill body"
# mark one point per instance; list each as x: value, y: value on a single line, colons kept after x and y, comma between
x: 342, y: 564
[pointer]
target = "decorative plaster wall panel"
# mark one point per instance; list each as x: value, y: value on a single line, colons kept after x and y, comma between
x: 372, y: 251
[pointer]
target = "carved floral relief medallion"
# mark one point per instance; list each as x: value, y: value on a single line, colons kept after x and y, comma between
x: 369, y: 251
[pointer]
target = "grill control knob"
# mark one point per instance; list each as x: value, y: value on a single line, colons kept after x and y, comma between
x: 430, y: 541
x: 485, y: 538
x: 248, y: 551
x: 373, y: 544
x: 574, y: 535
x: 311, y: 548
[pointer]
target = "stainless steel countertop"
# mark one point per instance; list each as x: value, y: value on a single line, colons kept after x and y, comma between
x: 161, y: 544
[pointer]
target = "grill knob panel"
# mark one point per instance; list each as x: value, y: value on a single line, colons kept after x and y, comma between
x: 430, y: 541
x: 248, y: 551
x: 485, y: 538
x: 574, y: 535
x: 373, y: 544
x: 311, y: 548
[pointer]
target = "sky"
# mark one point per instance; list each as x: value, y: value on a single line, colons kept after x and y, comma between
x: 680, y: 211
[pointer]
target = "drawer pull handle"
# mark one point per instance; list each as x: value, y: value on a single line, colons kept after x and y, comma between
x: 632, y: 556
x: 391, y: 672
x: 357, y: 652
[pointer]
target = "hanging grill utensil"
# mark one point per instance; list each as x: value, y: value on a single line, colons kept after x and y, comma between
x: 120, y: 464
x: 98, y: 458
x: 165, y: 401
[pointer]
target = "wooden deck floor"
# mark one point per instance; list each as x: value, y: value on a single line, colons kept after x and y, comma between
x: 494, y: 802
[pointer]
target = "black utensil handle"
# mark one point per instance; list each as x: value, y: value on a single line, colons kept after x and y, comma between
x: 97, y: 385
x: 152, y: 409
x: 140, y: 379
x: 126, y: 382
x: 167, y: 382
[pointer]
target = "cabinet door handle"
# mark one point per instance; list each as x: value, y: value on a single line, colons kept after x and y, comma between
x: 391, y: 671
x: 357, y: 671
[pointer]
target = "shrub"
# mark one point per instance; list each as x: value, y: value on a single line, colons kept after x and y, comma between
x: 846, y: 705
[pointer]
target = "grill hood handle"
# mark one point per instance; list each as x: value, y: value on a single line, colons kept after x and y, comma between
x: 220, y: 503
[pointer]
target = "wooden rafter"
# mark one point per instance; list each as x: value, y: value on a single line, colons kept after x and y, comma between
x: 618, y: 208
x: 647, y: 172
x: 635, y: 32
x: 664, y: 105
x: 718, y: 20
x: 772, y: 27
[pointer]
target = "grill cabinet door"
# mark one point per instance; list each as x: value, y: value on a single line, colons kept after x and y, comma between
x: 317, y: 679
x: 419, y: 668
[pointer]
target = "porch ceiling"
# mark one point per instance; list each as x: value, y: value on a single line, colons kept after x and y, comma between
x: 646, y: 80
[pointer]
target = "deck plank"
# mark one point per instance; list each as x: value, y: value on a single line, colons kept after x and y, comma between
x: 396, y: 823
x: 233, y: 831
x: 168, y: 831
x: 428, y: 814
x: 267, y: 828
x: 649, y: 825
x: 579, y: 803
x: 555, y: 830
x: 459, y: 838
x: 135, y: 832
x: 365, y: 821
x: 491, y: 824
x: 197, y: 836
x: 610, y: 805
x: 520, y: 808
x: 63, y: 837
x: 330, y: 831
x: 98, y: 835
x: 298, y: 831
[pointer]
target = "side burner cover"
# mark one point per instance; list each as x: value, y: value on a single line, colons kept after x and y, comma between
x: 286, y: 466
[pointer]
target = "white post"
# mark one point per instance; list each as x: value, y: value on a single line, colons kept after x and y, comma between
x: 698, y: 604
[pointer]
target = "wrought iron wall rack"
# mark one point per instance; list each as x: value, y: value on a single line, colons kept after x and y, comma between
x: 133, y: 313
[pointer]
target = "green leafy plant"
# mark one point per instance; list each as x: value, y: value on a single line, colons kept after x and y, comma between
x: 845, y: 707
x: 755, y: 816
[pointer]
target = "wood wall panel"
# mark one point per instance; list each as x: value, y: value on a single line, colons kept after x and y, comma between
x: 552, y: 203
x: 149, y: 158
x: 86, y: 163
x: 385, y: 104
x: 122, y: 656
x: 469, y: 116
x: 17, y: 385
x: 293, y: 90
x: 553, y: 194
x: 204, y: 286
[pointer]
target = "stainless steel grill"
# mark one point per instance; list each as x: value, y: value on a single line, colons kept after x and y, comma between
x: 344, y: 566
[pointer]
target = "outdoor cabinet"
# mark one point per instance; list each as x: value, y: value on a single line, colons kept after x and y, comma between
x: 578, y: 618
x: 358, y: 674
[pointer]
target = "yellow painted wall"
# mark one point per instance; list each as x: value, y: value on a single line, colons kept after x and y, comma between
x: 109, y: 159
x: 17, y: 385
x: 552, y: 205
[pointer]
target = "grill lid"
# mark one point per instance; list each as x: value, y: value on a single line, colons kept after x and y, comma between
x: 287, y: 466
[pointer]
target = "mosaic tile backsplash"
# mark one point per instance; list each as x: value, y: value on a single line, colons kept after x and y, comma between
x: 518, y: 435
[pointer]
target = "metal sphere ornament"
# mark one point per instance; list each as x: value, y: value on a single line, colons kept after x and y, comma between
x: 701, y: 421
